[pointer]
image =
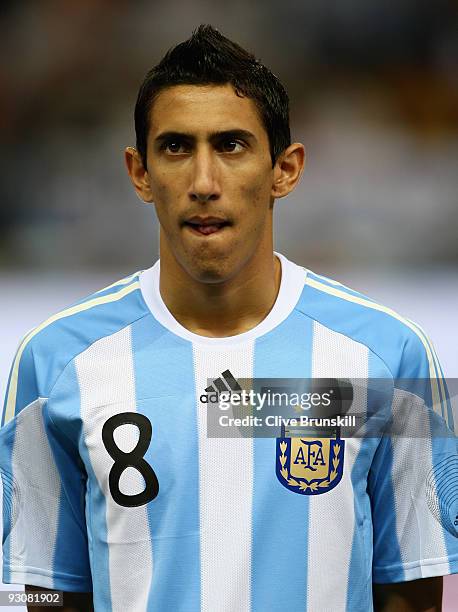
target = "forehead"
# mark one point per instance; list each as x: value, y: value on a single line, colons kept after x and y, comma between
x: 210, y: 108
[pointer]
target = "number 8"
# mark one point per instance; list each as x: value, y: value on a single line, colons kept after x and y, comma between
x: 135, y: 459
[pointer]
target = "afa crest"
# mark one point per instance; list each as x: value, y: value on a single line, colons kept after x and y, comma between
x: 309, y: 465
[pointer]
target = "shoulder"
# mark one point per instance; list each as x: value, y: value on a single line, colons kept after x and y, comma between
x: 47, y: 349
x: 399, y: 342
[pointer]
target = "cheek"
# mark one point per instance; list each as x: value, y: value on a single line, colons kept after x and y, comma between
x: 256, y: 191
x: 160, y: 188
x: 163, y: 203
x: 165, y: 197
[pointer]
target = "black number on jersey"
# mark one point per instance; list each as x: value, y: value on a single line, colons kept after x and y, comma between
x: 135, y: 458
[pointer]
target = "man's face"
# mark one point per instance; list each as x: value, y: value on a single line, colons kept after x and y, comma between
x: 208, y: 156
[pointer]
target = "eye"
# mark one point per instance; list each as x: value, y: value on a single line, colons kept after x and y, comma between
x: 232, y: 146
x: 174, y: 147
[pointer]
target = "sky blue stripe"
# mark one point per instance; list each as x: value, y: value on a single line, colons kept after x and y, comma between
x: 96, y: 513
x: 7, y: 436
x: 386, y: 545
x: 450, y: 420
x: 27, y: 390
x: 446, y: 399
x: 359, y: 583
x: 165, y: 389
x: 6, y: 394
x: 425, y: 376
x: 446, y: 409
x: 280, y: 516
x: 359, y: 580
x: 71, y: 556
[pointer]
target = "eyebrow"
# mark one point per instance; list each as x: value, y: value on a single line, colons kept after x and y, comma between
x: 213, y: 136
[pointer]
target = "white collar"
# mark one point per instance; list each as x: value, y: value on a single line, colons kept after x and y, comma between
x: 291, y: 285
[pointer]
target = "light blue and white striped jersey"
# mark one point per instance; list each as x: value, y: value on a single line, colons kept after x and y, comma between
x: 111, y: 483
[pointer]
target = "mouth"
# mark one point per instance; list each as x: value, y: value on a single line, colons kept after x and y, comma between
x: 206, y: 227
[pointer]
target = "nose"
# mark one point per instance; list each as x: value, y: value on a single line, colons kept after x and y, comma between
x: 204, y: 183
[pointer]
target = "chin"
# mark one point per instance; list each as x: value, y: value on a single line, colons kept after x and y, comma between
x: 210, y: 274
x: 210, y: 270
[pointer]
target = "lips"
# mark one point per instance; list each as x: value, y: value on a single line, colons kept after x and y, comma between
x: 206, y: 225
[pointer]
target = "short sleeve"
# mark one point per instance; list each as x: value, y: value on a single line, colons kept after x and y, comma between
x: 44, y: 483
x: 413, y: 480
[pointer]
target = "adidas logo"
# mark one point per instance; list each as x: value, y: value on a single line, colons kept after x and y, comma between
x: 223, y: 384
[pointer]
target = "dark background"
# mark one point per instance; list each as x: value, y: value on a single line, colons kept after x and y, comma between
x: 374, y: 97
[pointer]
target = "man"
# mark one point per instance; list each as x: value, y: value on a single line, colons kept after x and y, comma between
x: 114, y: 489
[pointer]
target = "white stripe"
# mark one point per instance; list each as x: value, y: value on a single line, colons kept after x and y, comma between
x: 107, y: 386
x: 226, y: 483
x: 419, y: 534
x: 331, y: 515
x: 33, y: 536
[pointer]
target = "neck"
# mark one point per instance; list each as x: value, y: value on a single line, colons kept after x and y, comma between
x: 225, y: 308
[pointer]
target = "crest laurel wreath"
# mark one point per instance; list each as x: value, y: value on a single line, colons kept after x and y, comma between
x: 304, y: 486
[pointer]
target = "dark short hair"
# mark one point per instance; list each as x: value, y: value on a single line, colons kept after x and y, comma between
x: 209, y: 58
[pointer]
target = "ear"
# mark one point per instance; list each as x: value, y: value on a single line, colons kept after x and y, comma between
x: 138, y: 175
x: 288, y: 170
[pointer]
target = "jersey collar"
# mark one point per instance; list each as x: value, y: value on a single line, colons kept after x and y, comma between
x: 291, y: 286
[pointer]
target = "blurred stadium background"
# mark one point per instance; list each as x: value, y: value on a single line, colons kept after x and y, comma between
x: 374, y: 97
